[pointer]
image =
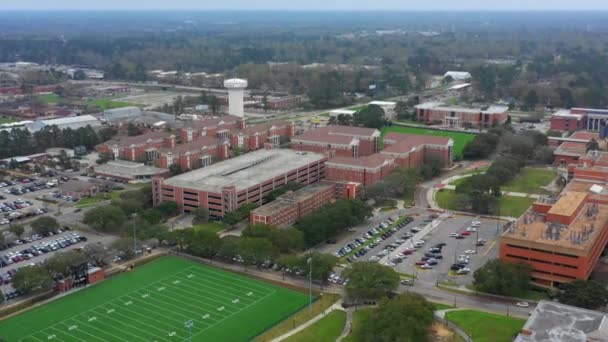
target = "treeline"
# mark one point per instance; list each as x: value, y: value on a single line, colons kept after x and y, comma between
x: 480, y: 193
x: 332, y: 219
x: 20, y: 142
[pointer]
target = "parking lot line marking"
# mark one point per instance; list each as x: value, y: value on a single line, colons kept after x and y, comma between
x: 489, y: 248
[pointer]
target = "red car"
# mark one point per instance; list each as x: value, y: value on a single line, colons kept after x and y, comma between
x: 407, y: 252
x: 465, y: 233
x: 420, y: 263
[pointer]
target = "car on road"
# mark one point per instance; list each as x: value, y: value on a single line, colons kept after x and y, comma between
x: 453, y: 234
x: 426, y: 266
x: 465, y: 233
x: 415, y: 229
x: 523, y: 304
x: 407, y: 282
x: 463, y: 270
x: 459, y: 237
x: 470, y: 251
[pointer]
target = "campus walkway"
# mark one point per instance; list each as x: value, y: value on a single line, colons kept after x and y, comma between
x: 336, y: 306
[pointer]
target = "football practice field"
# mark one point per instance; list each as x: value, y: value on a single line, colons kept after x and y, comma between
x: 162, y: 301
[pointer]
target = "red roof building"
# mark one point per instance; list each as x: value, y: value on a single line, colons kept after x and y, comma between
x: 198, y: 153
x: 217, y: 127
x: 570, y: 150
x: 365, y: 170
x: 252, y: 138
x: 339, y: 141
x: 137, y: 148
x: 410, y: 150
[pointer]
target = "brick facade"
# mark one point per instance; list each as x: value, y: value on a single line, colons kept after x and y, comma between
x: 339, y: 141
x: 137, y: 148
x: 198, y: 153
x: 434, y: 112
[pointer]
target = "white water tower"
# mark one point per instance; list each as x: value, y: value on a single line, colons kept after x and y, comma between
x: 236, y: 88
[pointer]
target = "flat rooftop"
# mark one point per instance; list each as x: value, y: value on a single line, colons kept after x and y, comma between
x: 555, y: 322
x: 289, y: 199
x: 244, y: 171
x: 126, y: 169
x: 579, y: 236
x: 491, y: 109
x: 567, y: 204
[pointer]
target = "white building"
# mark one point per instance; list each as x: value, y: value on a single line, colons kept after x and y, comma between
x: 336, y: 112
x: 73, y: 122
x: 387, y: 106
x: 458, y: 75
x: 236, y: 89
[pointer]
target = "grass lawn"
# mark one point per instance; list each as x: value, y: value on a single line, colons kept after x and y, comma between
x: 530, y: 180
x: 325, y: 115
x: 460, y: 139
x: 49, y: 98
x: 486, y: 327
x: 440, y: 306
x: 327, y: 329
x: 358, y: 317
x: 5, y: 120
x: 509, y: 205
x: 214, y: 227
x: 154, y: 301
x: 104, y: 104
x: 88, y: 201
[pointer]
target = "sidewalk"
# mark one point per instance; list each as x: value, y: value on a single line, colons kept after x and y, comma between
x: 336, y: 306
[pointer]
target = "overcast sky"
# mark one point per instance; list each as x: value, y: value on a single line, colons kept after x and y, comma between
x: 309, y: 4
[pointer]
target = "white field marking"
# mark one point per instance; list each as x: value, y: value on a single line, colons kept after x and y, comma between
x: 91, y: 319
x: 204, y: 296
x: 164, y: 309
x: 128, y: 303
x: 235, y: 301
x: 206, y: 316
x: 93, y: 336
x: 212, y: 287
x: 188, y: 301
x: 249, y: 294
x: 72, y: 327
x: 42, y: 340
x: 139, y: 322
x: 110, y: 311
x: 160, y: 288
x: 131, y: 326
x: 221, y: 320
x: 190, y: 275
x: 154, y: 319
x: 134, y: 291
x: 104, y: 331
x: 221, y: 308
x: 67, y: 333
x: 176, y: 281
x: 176, y: 306
x: 232, y: 281
x: 173, y: 333
x: 145, y: 295
x: 50, y: 337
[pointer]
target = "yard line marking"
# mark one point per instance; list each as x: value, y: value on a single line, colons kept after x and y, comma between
x: 139, y: 322
x: 232, y: 281
x: 37, y: 339
x: 249, y: 293
x: 205, y: 295
x: 187, y: 303
x: 218, y: 322
x: 147, y: 310
x: 130, y: 326
x: 214, y: 288
x: 134, y: 291
x: 68, y: 334
x: 160, y: 288
x: 176, y: 306
x: 110, y: 311
x: 128, y: 303
x: 221, y: 308
x: 235, y: 301
x: 166, y: 309
x: 145, y: 295
x: 190, y: 275
x: 51, y: 337
x: 176, y: 282
x: 173, y: 333
x: 231, y: 278
x: 205, y: 316
x: 91, y: 319
x: 95, y: 337
x: 105, y: 332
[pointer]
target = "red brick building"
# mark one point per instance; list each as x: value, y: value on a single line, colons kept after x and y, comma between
x: 287, y: 209
x: 198, y: 153
x: 575, y: 119
x: 216, y: 127
x: 365, y: 170
x: 410, y: 150
x: 137, y: 148
x: 561, y: 239
x: 455, y: 116
x: 248, y: 178
x: 339, y: 141
x: 253, y: 138
x: 570, y: 150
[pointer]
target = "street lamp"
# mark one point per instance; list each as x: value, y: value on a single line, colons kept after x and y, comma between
x: 309, y: 262
x: 134, y: 216
x: 188, y: 325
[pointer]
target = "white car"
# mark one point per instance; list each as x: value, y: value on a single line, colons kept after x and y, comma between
x: 522, y: 304
x: 471, y: 229
x: 470, y: 251
x: 453, y: 234
x: 426, y: 266
x: 463, y: 271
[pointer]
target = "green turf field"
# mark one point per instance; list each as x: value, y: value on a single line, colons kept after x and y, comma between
x: 460, y: 139
x: 153, y: 303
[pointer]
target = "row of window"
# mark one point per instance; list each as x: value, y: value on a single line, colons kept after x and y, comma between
x: 543, y: 251
x: 542, y: 261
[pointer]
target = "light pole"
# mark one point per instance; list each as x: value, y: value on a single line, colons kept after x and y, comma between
x: 189, y: 324
x: 134, y: 235
x: 309, y: 261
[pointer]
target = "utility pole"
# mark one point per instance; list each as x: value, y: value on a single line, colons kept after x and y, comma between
x: 309, y: 261
x: 134, y: 235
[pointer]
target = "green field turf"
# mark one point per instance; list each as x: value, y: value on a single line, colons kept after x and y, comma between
x: 153, y: 302
x: 460, y: 139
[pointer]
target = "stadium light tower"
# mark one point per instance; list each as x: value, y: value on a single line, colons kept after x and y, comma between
x: 236, y: 89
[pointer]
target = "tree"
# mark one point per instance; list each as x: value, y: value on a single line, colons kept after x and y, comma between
x: 124, y: 246
x: 152, y: 215
x: 106, y: 218
x: 79, y: 75
x: 168, y: 209
x: 371, y: 116
x: 201, y: 215
x: 370, y: 281
x: 98, y: 253
x: 593, y: 145
x: 128, y: 206
x: 322, y: 265
x: 133, y: 129
x: 159, y: 232
x: 30, y: 279
x: 531, y: 100
x: 204, y: 243
x: 491, y: 277
x: 325, y: 90
x: 214, y: 104
x: 44, y: 225
x: 16, y: 229
x: 402, y: 110
x: 256, y: 250
x: 406, y: 317
x: 586, y: 294
x: 61, y: 263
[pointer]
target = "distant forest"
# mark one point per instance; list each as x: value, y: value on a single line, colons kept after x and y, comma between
x: 528, y: 58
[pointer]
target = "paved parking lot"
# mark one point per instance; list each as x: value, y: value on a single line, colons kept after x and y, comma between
x: 454, y: 248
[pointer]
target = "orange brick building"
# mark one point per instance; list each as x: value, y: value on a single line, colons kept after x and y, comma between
x: 410, y: 150
x: 339, y: 141
x: 569, y: 150
x: 198, y: 153
x: 366, y: 170
x: 253, y: 138
x: 287, y: 209
x: 137, y: 148
x: 456, y: 116
x: 561, y: 239
x: 216, y: 127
